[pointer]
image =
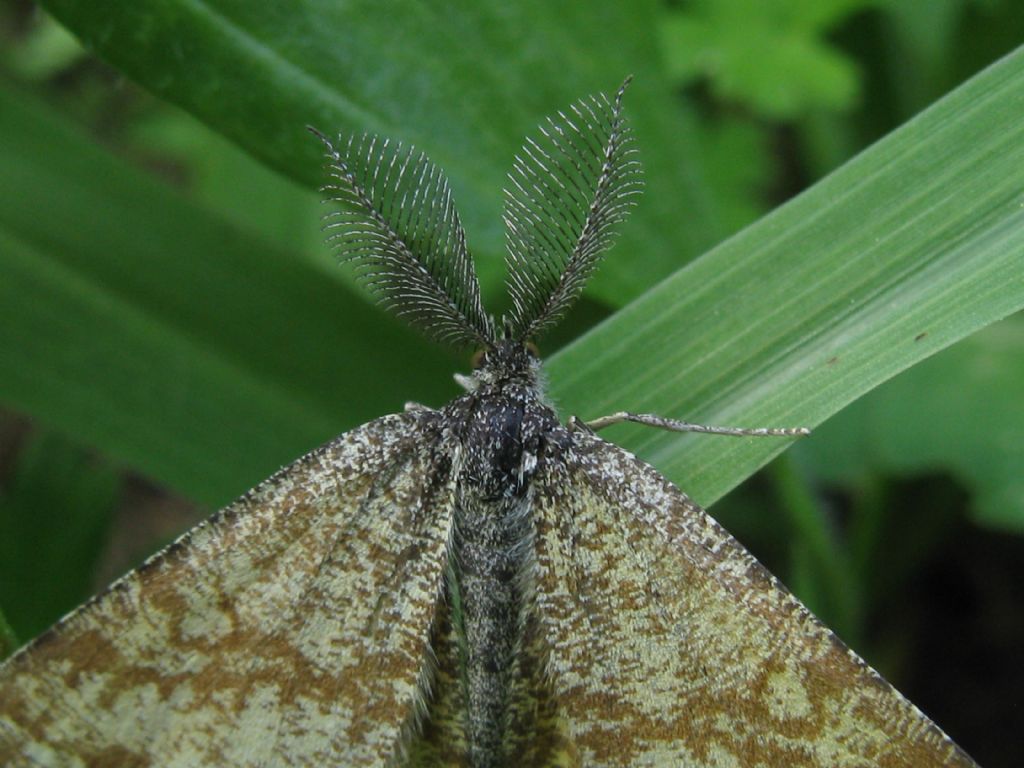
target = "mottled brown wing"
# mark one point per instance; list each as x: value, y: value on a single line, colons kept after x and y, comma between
x: 289, y: 630
x: 669, y: 644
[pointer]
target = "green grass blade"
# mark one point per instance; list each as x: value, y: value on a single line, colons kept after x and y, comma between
x: 911, y: 246
x: 960, y: 411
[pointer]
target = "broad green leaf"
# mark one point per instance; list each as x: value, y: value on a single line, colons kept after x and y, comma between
x: 914, y: 244
x: 174, y: 342
x: 464, y: 81
x: 225, y: 179
x: 960, y: 412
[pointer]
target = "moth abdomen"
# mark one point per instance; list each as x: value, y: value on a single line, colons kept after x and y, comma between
x: 490, y: 558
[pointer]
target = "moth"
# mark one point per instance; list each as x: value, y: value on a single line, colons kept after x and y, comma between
x: 477, y: 585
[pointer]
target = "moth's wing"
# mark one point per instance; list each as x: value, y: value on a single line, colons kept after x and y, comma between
x: 441, y: 739
x: 669, y: 644
x: 291, y: 629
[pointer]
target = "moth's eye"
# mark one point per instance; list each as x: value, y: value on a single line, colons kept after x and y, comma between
x: 532, y: 349
x: 478, y: 359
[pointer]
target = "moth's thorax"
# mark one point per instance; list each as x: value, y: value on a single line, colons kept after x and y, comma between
x: 501, y: 423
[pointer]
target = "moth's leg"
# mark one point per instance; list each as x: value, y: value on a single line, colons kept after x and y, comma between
x: 412, y: 407
x: 674, y: 425
x: 468, y: 383
x: 576, y: 424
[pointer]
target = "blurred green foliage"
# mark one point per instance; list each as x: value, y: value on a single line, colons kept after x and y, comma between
x: 773, y: 58
x: 39, y: 537
x: 167, y: 306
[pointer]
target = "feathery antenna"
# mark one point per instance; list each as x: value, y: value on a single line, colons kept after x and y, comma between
x: 398, y: 224
x: 567, y: 191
